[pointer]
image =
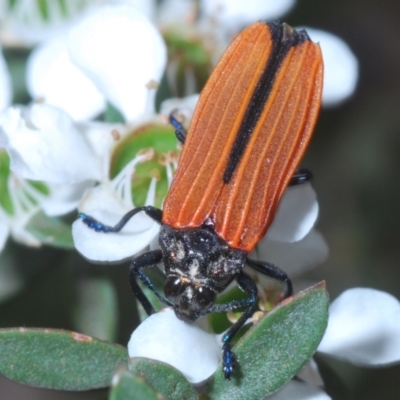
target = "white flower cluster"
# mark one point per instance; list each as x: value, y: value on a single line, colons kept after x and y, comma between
x: 113, y: 52
x: 103, y: 53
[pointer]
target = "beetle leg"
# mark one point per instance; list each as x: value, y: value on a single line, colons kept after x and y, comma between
x: 180, y: 131
x: 249, y: 287
x: 302, y: 175
x: 145, y: 260
x: 152, y: 212
x: 272, y: 271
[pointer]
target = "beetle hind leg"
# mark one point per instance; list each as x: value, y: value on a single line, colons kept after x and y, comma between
x: 180, y: 131
x: 272, y: 271
x: 302, y: 175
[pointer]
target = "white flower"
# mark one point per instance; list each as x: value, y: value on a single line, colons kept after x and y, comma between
x: 363, y: 328
x: 291, y: 242
x: 238, y: 13
x: 24, y: 200
x: 340, y: 67
x: 54, y: 79
x: 44, y: 144
x: 294, y: 390
x: 113, y: 52
x: 123, y: 54
x: 108, y: 202
x: 188, y: 348
x: 25, y: 23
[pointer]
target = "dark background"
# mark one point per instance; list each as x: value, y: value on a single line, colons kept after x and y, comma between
x: 355, y: 157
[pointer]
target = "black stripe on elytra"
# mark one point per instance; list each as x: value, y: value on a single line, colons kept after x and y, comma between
x: 283, y: 38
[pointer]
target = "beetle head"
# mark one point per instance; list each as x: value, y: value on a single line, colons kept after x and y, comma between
x: 190, y: 300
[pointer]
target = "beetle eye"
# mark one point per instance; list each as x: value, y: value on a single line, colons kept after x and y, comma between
x: 205, y: 297
x: 173, y: 288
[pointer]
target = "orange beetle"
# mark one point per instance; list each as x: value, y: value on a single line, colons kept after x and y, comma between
x: 249, y: 131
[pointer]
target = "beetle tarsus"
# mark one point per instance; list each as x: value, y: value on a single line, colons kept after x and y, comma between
x: 180, y: 131
x: 228, y: 361
x: 302, y: 175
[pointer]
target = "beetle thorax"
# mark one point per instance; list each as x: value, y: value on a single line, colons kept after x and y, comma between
x: 198, y: 265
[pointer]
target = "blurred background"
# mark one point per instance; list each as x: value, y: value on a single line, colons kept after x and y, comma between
x: 355, y: 158
x: 355, y: 155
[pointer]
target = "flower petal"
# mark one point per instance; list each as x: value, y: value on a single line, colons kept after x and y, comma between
x: 44, y: 144
x: 172, y: 11
x: 185, y: 107
x: 101, y: 203
x: 5, y: 84
x: 238, y: 13
x: 185, y: 346
x: 146, y: 7
x: 101, y: 137
x: 19, y: 232
x: 123, y: 54
x: 364, y: 328
x: 64, y: 198
x: 52, y: 76
x: 30, y: 22
x: 296, y: 215
x: 294, y: 257
x: 299, y: 391
x: 310, y: 374
x: 340, y: 67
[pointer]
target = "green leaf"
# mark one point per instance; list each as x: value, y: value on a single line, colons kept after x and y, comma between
x: 58, y: 359
x: 275, y: 349
x: 96, y: 312
x: 163, y: 378
x: 127, y: 386
x: 52, y: 231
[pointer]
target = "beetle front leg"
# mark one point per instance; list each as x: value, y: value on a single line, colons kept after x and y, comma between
x: 145, y: 260
x: 249, y: 287
x: 153, y: 212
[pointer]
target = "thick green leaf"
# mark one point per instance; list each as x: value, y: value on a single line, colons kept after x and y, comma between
x: 51, y: 230
x: 58, y: 359
x: 163, y: 378
x: 275, y: 349
x: 127, y: 386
